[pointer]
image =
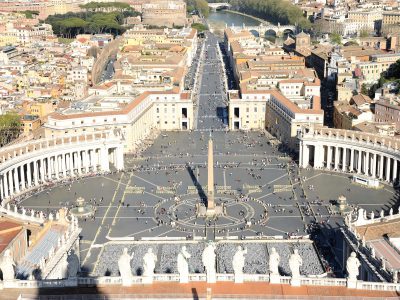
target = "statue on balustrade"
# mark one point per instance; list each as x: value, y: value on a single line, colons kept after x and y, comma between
x: 209, y: 259
x: 149, y: 263
x: 124, y: 266
x: 238, y: 263
x: 274, y: 260
x: 295, y: 262
x: 73, y: 264
x: 352, y: 266
x: 7, y: 266
x: 183, y: 266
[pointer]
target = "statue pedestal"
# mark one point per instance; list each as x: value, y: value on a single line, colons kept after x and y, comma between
x: 147, y: 280
x: 295, y: 281
x: 239, y: 278
x: 184, y: 279
x: 126, y: 281
x: 275, y: 278
x: 352, y: 283
x: 212, y: 278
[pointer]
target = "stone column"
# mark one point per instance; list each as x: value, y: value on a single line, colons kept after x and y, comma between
x: 366, y: 163
x: 71, y: 163
x: 344, y: 160
x: 23, y: 183
x: 329, y: 158
x: 5, y: 182
x: 381, y: 158
x: 373, y: 165
x: 351, y: 160
x: 119, y: 156
x: 336, y: 158
x: 29, y: 174
x: 388, y: 161
x: 42, y: 170
x: 10, y: 182
x: 64, y: 164
x: 318, y: 156
x: 105, y: 165
x: 394, y: 175
x: 16, y: 180
x: 1, y: 188
x: 359, y: 157
x: 35, y: 173
x: 78, y: 161
x: 306, y: 155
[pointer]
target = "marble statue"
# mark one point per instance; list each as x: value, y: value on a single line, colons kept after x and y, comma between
x: 7, y: 266
x: 274, y: 260
x: 124, y: 266
x: 238, y: 263
x: 183, y: 266
x: 149, y: 263
x: 391, y: 211
x: 208, y: 259
x: 352, y: 266
x: 394, y: 276
x: 73, y: 264
x: 295, y: 262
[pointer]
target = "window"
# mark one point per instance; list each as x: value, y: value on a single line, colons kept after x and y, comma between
x: 158, y: 110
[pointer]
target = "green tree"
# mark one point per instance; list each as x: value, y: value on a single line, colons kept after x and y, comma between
x: 10, y: 128
x: 199, y: 27
x: 336, y: 38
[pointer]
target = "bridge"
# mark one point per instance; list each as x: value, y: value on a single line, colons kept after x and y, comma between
x: 265, y: 28
x: 215, y: 6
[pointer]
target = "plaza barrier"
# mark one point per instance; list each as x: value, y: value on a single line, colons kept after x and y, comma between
x: 106, y: 281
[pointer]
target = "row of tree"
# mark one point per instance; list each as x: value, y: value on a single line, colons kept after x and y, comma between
x: 71, y: 24
x: 10, y: 128
x: 199, y: 5
x: 274, y: 11
x: 101, y: 6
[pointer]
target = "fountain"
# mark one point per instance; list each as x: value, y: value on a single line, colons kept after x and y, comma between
x: 82, y: 210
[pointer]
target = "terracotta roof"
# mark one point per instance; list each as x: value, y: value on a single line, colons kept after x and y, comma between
x: 376, y: 231
x: 8, y: 231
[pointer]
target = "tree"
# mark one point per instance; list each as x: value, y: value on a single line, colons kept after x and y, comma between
x: 336, y: 38
x: 199, y: 27
x: 364, y: 33
x: 10, y: 128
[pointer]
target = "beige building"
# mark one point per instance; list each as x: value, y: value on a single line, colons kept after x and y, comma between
x: 168, y: 13
x: 135, y: 116
x: 371, y: 70
x: 390, y: 22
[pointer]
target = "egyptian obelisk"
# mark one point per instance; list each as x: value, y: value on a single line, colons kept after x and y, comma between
x: 210, y: 186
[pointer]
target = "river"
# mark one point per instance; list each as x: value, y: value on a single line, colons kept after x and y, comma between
x: 219, y: 19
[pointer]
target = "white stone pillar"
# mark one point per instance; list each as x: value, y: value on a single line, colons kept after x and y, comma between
x: 23, y: 183
x: 306, y: 155
x: 71, y: 163
x: 388, y: 161
x: 64, y: 165
x: 366, y: 162
x: 79, y: 162
x: 16, y: 180
x: 119, y: 155
x: 42, y: 170
x: 29, y: 174
x: 329, y: 158
x: 5, y: 182
x: 351, y: 160
x: 373, y: 168
x: 336, y: 163
x: 35, y: 173
x: 394, y: 175
x: 381, y: 159
x: 344, y: 160
x: 104, y: 162
x: 10, y: 182
x: 1, y: 189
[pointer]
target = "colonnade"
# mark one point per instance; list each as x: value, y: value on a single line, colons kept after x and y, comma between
x: 358, y: 153
x: 56, y: 162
